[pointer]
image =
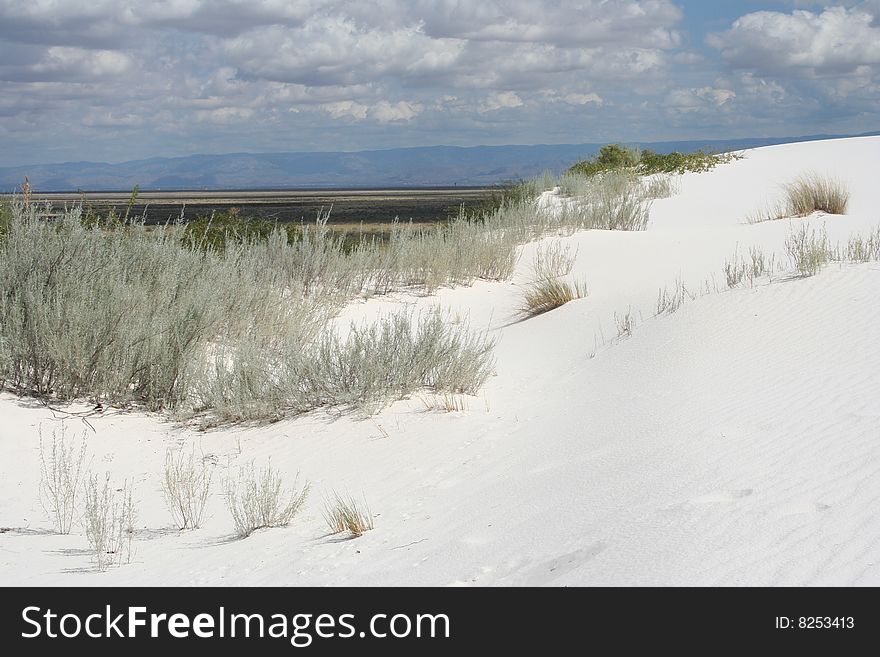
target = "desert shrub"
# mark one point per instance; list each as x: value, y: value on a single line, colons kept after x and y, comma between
x: 126, y: 317
x: 681, y: 163
x: 61, y: 474
x: 615, y: 200
x: 259, y: 500
x: 371, y: 366
x: 611, y: 157
x: 615, y: 157
x: 5, y: 219
x: 186, y: 486
x: 512, y: 192
x: 864, y: 248
x: 345, y: 513
x: 108, y: 520
x: 390, y: 359
x: 808, y: 249
x: 92, y: 217
x: 660, y: 186
x: 216, y: 230
x: 811, y: 193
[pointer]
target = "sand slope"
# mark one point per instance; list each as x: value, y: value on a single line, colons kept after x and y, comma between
x: 733, y: 442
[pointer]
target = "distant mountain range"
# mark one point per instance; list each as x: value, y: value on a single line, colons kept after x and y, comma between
x: 433, y: 166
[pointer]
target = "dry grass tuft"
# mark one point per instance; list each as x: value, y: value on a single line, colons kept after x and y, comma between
x: 347, y: 514
x: 548, y: 294
x: 809, y: 193
x: 547, y: 290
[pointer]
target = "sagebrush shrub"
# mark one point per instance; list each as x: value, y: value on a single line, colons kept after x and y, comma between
x: 259, y: 500
x: 808, y: 249
x: 108, y: 519
x: 186, y: 487
x: 61, y: 477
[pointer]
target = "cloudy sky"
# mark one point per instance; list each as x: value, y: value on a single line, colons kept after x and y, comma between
x: 114, y: 80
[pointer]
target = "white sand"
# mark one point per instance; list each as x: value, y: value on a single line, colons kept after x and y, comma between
x: 734, y: 442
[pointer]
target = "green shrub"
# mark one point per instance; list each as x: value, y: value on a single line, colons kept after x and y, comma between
x: 5, y: 219
x: 615, y: 157
x: 213, y: 232
x: 611, y: 157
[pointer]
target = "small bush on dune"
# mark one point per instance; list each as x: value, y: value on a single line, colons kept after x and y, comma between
x: 258, y: 500
x: 864, y: 248
x: 216, y: 230
x: 611, y: 157
x: 186, y: 486
x: 5, y: 219
x: 808, y: 249
x: 616, y: 157
x: 681, y: 163
x: 367, y: 369
x: 109, y: 521
x: 613, y: 200
x: 61, y: 473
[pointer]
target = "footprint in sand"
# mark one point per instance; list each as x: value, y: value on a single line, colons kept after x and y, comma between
x: 548, y: 571
x: 801, y: 508
x: 721, y: 496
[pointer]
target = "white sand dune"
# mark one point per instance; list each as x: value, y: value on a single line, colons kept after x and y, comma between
x: 734, y: 442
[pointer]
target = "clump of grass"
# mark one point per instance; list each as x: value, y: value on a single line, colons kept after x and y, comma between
x: 109, y: 521
x: 811, y: 193
x: 808, y: 249
x: 548, y: 290
x: 545, y: 295
x: 446, y: 403
x: 259, y: 500
x: 61, y: 473
x: 186, y: 486
x: 346, y: 514
x: 808, y: 193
